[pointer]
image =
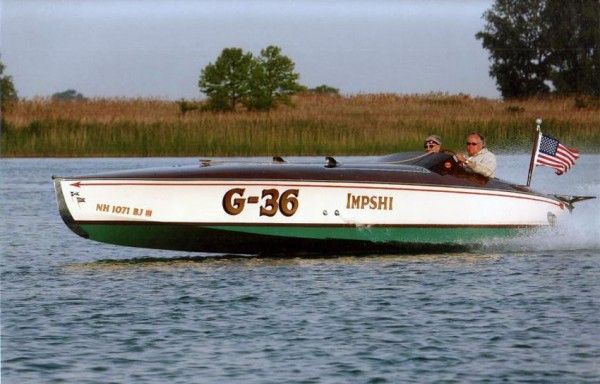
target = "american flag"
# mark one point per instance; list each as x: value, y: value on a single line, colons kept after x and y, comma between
x: 552, y: 153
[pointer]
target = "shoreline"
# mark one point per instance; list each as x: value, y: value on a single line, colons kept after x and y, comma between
x: 266, y: 157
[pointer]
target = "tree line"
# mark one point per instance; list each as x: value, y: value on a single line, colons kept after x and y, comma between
x: 539, y: 47
x: 536, y: 47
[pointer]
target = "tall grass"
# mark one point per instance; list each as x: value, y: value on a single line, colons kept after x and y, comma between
x: 314, y: 125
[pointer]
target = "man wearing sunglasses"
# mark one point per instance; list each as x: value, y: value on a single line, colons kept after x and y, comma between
x: 478, y: 158
x: 433, y: 144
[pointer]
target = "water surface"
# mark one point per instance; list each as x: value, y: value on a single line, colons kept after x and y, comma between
x: 73, y: 310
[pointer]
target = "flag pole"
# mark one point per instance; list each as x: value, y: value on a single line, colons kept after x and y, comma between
x: 534, y: 150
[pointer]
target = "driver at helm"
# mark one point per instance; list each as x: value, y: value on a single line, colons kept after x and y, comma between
x: 478, y: 158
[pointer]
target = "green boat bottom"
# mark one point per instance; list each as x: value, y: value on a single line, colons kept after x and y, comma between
x: 291, y: 240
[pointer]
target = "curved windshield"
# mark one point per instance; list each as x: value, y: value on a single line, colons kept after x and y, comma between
x: 427, y: 160
x: 442, y: 163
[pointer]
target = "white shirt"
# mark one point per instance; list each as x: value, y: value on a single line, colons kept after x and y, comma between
x: 483, y: 163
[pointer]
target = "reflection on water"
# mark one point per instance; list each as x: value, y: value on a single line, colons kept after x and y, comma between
x: 237, y: 261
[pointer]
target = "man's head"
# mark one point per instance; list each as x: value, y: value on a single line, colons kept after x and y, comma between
x: 475, y: 143
x: 432, y: 143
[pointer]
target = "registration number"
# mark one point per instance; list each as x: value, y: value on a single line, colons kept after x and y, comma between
x: 270, y: 202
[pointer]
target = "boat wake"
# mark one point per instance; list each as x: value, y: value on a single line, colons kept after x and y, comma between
x: 579, y: 231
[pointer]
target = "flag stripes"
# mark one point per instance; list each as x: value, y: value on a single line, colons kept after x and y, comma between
x: 552, y: 153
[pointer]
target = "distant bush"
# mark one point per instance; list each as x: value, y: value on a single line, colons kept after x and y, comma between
x: 587, y: 102
x: 325, y: 89
x: 186, y: 106
x: 515, y: 109
x: 68, y: 95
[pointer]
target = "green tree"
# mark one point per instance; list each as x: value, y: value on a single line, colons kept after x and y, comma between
x: 272, y: 80
x: 535, y: 43
x: 226, y: 81
x: 514, y: 35
x: 574, y: 44
x: 8, y: 94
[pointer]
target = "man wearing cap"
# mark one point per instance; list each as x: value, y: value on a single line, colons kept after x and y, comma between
x: 478, y: 158
x: 433, y: 144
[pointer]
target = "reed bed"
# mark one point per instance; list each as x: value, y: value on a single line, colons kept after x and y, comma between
x: 313, y: 125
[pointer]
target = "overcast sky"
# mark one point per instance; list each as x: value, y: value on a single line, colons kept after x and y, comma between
x: 156, y: 48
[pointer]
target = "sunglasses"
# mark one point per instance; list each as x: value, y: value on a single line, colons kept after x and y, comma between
x: 472, y: 143
x: 430, y: 144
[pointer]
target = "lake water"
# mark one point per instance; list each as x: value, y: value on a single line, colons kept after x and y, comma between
x: 77, y: 311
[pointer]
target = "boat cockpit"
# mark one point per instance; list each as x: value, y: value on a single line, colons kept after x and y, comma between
x: 442, y: 163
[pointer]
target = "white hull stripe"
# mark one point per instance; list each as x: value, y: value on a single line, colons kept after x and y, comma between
x: 459, y: 190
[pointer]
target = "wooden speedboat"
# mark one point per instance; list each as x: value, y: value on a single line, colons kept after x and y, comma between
x: 393, y: 203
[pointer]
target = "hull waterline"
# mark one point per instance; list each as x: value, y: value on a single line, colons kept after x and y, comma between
x: 275, y: 240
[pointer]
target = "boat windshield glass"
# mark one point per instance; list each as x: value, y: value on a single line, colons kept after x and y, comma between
x: 442, y: 163
x: 425, y: 160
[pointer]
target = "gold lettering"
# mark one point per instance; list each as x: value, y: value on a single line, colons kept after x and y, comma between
x: 382, y: 202
x: 270, y: 208
x: 355, y: 202
x: 234, y: 206
x: 370, y: 202
x: 288, y: 203
x: 364, y: 200
x: 102, y: 207
x: 373, y: 202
